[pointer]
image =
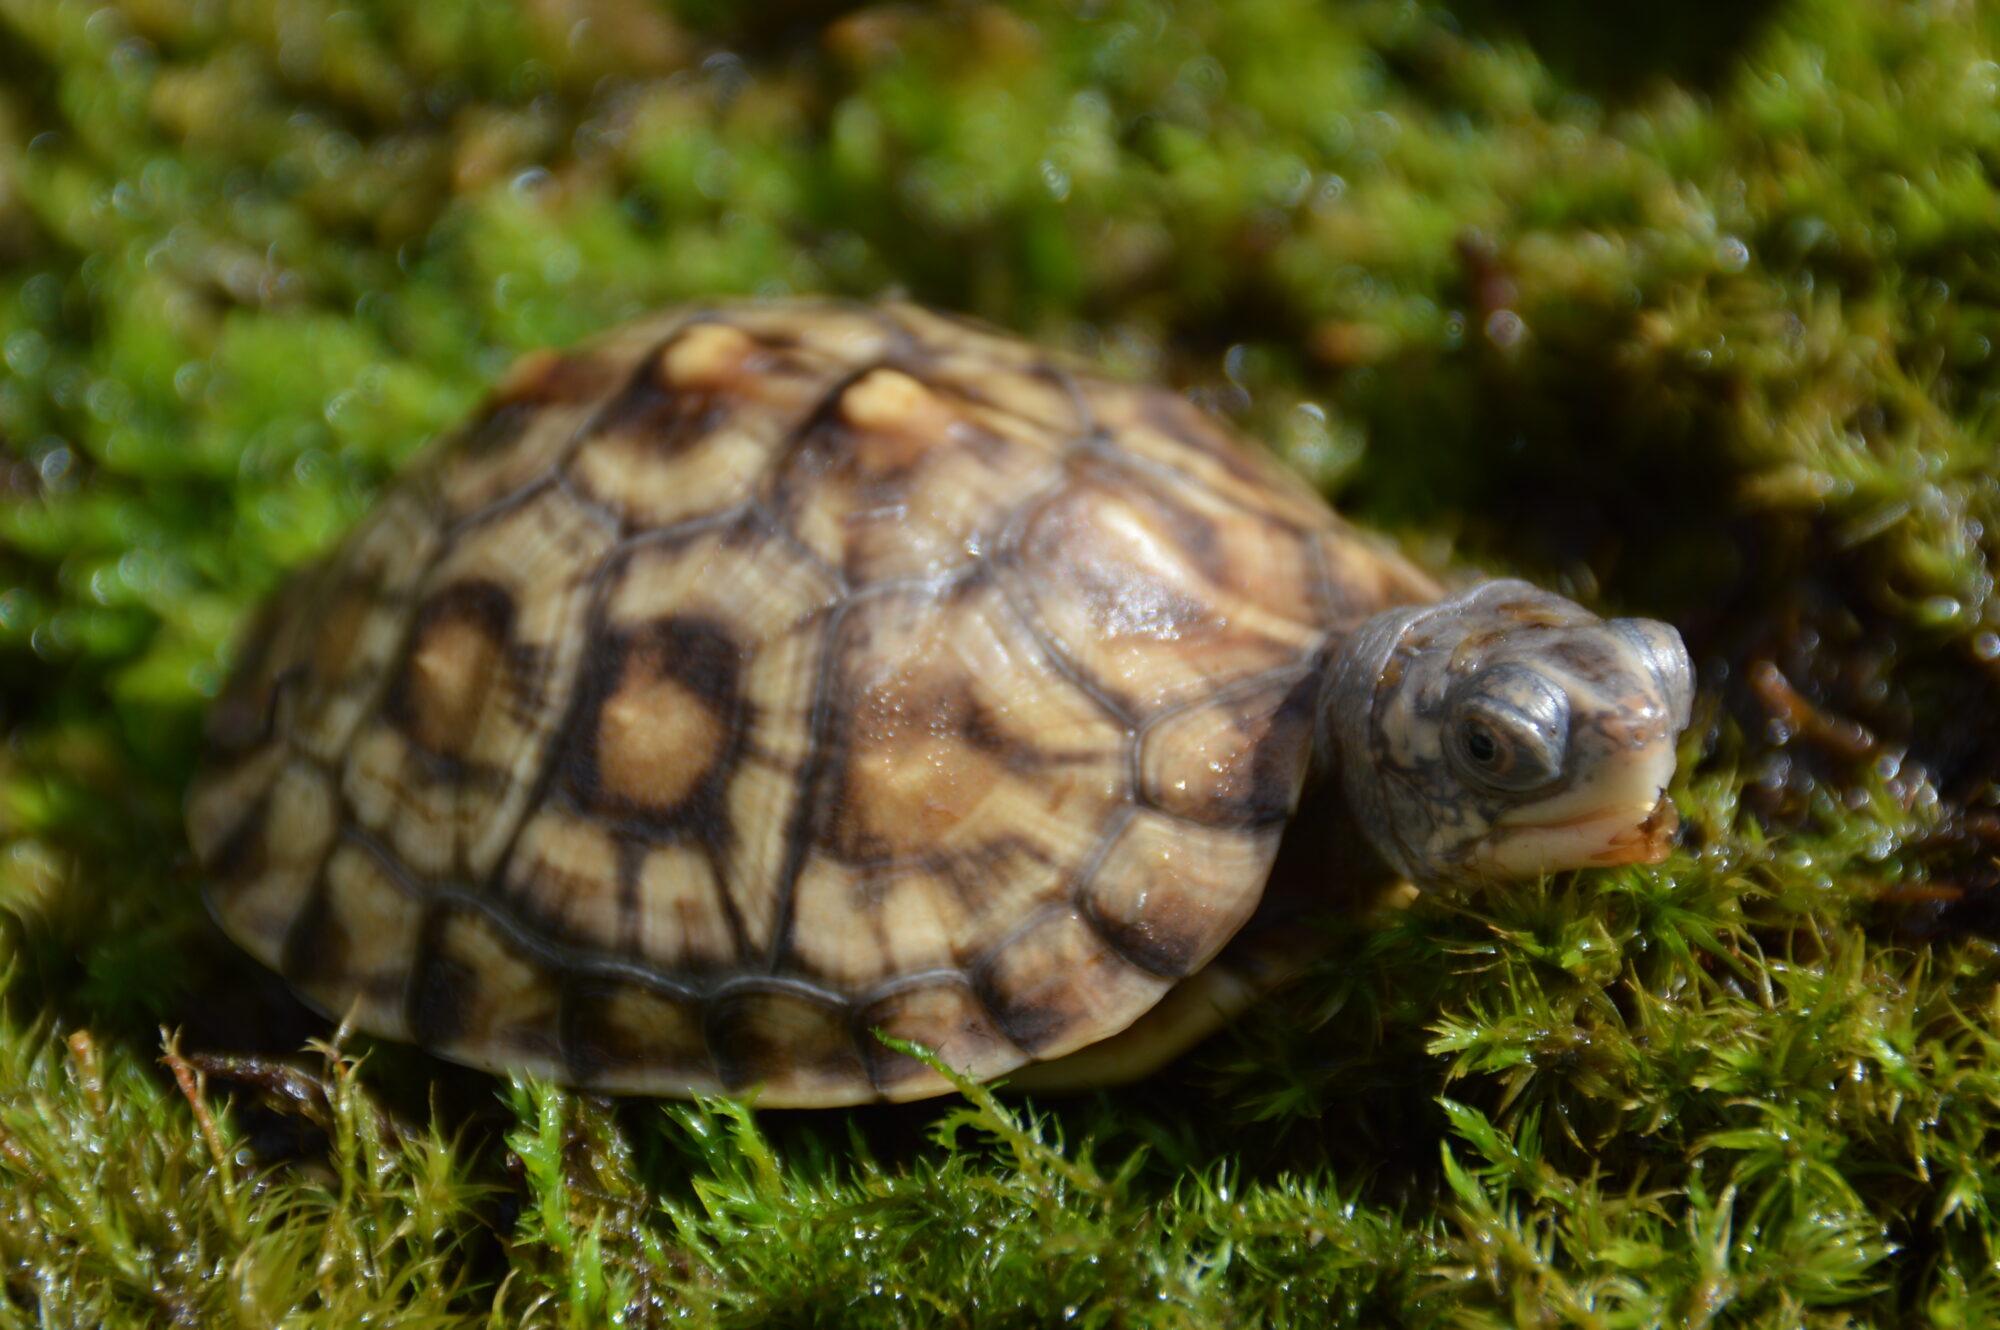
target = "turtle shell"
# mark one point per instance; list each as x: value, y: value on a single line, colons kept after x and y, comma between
x: 761, y: 677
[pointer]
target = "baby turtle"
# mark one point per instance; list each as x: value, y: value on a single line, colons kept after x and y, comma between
x: 759, y: 677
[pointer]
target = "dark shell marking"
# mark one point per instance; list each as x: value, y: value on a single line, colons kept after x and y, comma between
x: 761, y: 677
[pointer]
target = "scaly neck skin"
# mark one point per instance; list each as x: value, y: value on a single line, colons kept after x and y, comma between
x: 1347, y: 707
x: 1505, y: 732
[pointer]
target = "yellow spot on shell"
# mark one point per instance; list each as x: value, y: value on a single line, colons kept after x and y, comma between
x: 452, y: 671
x: 886, y: 399
x: 707, y: 355
x: 655, y: 741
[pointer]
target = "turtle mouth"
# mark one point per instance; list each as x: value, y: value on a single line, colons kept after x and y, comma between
x: 1650, y: 841
x: 1607, y: 835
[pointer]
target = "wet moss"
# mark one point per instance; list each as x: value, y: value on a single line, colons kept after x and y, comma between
x: 1695, y: 325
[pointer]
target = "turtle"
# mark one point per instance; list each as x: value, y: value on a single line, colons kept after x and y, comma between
x: 762, y: 679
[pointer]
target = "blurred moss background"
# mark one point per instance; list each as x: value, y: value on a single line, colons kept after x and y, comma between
x: 1687, y: 310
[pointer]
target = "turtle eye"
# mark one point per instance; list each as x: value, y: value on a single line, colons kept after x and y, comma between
x: 1482, y: 746
x: 1509, y: 729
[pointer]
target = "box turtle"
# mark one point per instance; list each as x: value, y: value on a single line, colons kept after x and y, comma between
x: 763, y: 676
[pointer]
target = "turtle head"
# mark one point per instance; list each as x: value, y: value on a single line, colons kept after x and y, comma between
x: 1506, y: 732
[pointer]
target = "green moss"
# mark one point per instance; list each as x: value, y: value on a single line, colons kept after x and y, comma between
x: 1701, y: 327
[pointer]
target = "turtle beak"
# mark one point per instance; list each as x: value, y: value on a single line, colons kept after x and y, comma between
x: 1647, y: 843
x: 1621, y: 832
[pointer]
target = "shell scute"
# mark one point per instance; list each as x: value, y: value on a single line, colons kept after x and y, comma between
x: 477, y: 993
x: 226, y: 809
x: 869, y: 489
x: 356, y: 945
x: 1167, y: 430
x: 566, y: 877
x: 1236, y: 759
x: 689, y: 921
x: 445, y: 767
x: 1058, y: 983
x: 534, y: 417
x: 1004, y: 376
x: 1361, y: 577
x: 626, y: 1037
x: 954, y: 731
x: 945, y: 1016
x: 1166, y: 896
x: 1156, y: 601
x: 357, y: 620
x: 856, y: 929
x: 263, y: 873
x: 775, y: 1037
x: 849, y: 334
x: 698, y: 423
